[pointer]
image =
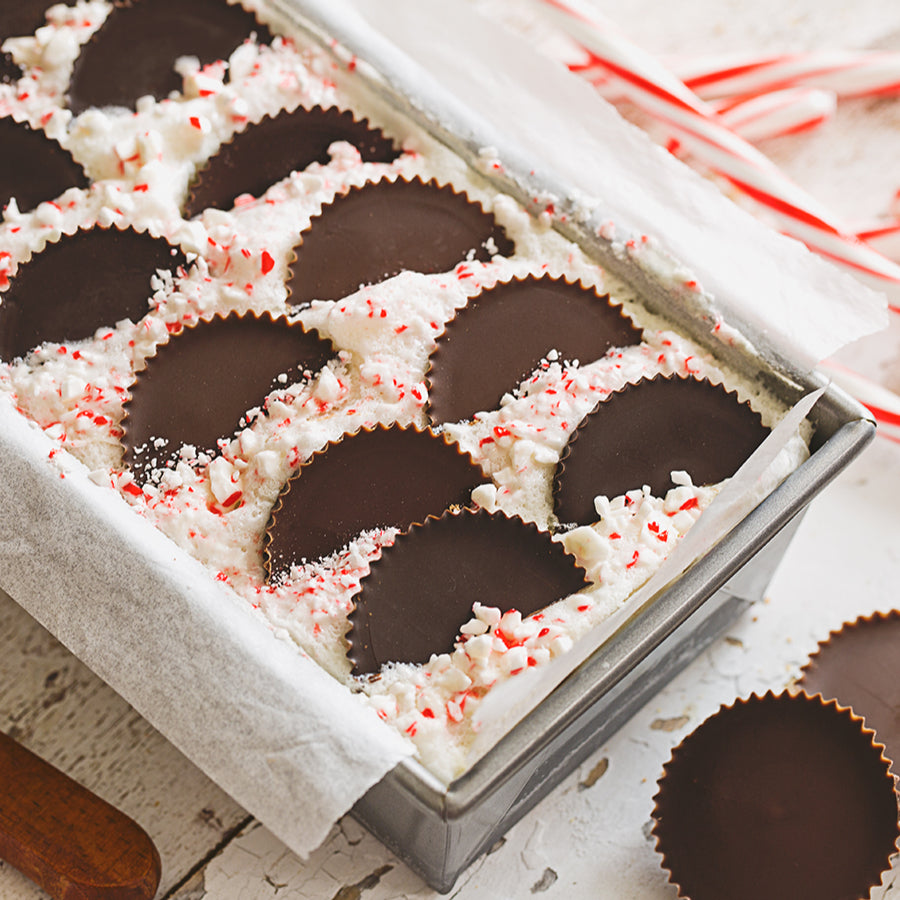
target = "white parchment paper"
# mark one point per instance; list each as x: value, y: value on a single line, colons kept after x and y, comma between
x: 282, y: 737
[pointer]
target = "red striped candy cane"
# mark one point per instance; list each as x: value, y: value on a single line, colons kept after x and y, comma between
x: 649, y: 85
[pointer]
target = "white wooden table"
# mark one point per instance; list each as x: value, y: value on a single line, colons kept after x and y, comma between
x: 590, y: 838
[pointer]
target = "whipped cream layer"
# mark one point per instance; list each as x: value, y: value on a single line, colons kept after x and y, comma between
x: 216, y: 502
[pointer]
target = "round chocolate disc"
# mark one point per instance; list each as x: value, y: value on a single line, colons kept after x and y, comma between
x: 34, y: 168
x: 80, y: 283
x: 133, y: 53
x: 205, y: 378
x: 643, y: 433
x: 777, y: 797
x: 859, y: 666
x: 421, y: 591
x: 382, y: 477
x: 18, y: 18
x: 269, y: 151
x: 374, y: 232
x: 22, y: 17
x: 502, y: 335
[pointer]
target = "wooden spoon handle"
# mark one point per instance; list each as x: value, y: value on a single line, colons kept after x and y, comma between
x: 66, y: 839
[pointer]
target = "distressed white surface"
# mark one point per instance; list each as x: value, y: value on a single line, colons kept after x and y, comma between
x: 582, y: 842
x: 57, y: 707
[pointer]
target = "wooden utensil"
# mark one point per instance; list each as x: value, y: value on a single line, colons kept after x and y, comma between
x: 65, y: 838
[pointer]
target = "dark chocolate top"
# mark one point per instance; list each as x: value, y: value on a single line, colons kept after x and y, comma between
x: 267, y: 152
x: 779, y: 797
x: 202, y: 381
x: 34, y: 168
x: 641, y: 434
x: 373, y: 478
x: 9, y: 71
x: 859, y: 666
x: 17, y: 19
x: 503, y: 334
x: 133, y: 53
x: 421, y: 591
x: 80, y: 283
x: 371, y: 233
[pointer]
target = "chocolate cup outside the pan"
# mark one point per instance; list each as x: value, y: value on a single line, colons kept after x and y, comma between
x: 780, y: 796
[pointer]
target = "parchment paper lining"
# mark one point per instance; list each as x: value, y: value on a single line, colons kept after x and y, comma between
x: 282, y: 737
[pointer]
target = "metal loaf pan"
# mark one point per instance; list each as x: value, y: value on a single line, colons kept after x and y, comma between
x: 438, y: 829
x: 168, y: 601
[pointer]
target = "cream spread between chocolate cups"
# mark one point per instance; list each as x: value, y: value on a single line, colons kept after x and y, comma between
x: 216, y: 501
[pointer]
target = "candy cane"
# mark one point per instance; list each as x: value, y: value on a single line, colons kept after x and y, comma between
x: 753, y: 117
x: 657, y: 91
x: 847, y: 74
x: 882, y: 403
x: 777, y: 113
x: 877, y: 230
x: 649, y: 85
x: 884, y: 234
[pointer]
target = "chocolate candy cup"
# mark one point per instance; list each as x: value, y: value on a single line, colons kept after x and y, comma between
x: 17, y: 19
x: 421, y: 591
x: 133, y: 53
x: 80, y: 283
x: 372, y: 233
x: 381, y: 477
x: 34, y: 168
x: 269, y: 151
x: 502, y: 335
x: 22, y: 17
x: 202, y: 381
x: 859, y: 666
x: 777, y: 797
x: 642, y: 433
